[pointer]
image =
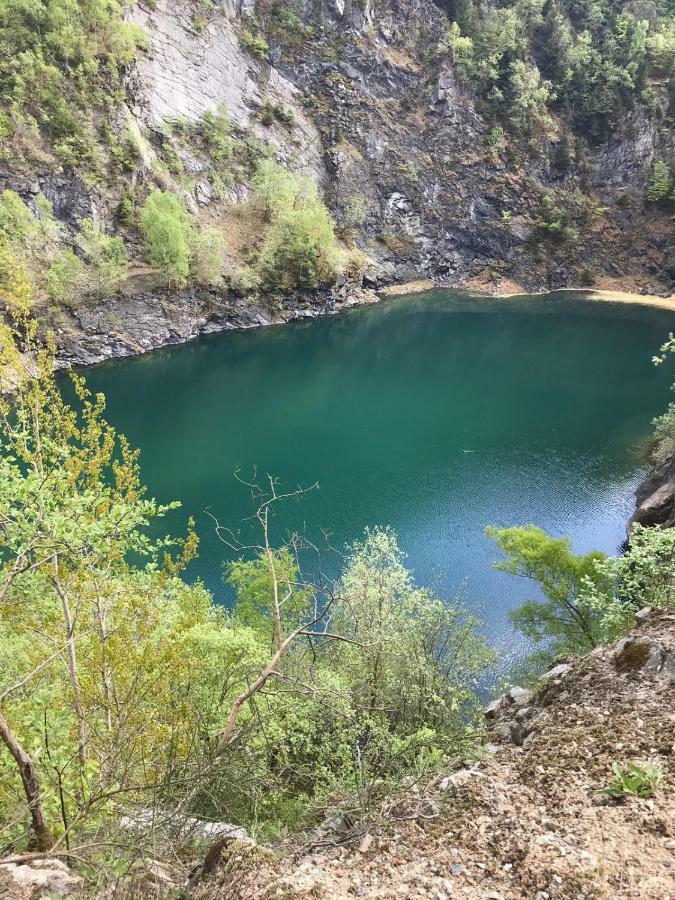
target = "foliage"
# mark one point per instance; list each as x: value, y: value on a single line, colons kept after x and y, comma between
x: 59, y: 59
x: 553, y: 223
x: 255, y: 43
x: 215, y: 130
x: 660, y: 181
x: 643, y: 575
x: 664, y: 434
x: 559, y: 619
x: 63, y: 275
x: 590, y: 599
x: 127, y: 688
x: 168, y: 228
x: 206, y: 259
x: 14, y: 284
x: 106, y: 255
x: 299, y: 248
x: 588, y: 61
x: 664, y: 430
x: 633, y: 781
x: 16, y: 219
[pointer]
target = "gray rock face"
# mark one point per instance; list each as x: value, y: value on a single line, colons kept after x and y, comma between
x: 71, y: 198
x: 655, y: 497
x: 189, y: 72
x: 128, y: 326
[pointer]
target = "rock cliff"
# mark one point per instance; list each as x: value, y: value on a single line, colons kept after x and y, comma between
x: 358, y: 98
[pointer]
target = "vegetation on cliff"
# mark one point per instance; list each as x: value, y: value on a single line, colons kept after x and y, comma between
x: 552, y: 81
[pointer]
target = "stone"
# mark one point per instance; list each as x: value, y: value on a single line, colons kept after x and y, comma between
x: 366, y: 843
x: 180, y: 825
x: 492, y: 710
x: 457, y: 869
x: 44, y: 878
x: 458, y: 779
x: 520, y: 696
x: 643, y: 615
x: 517, y: 733
x: 639, y: 654
x: 556, y: 672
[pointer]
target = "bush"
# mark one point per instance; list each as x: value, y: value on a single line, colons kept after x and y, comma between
x: 16, y: 219
x: 658, y: 189
x: 299, y: 249
x: 63, y: 276
x: 107, y: 256
x: 208, y: 250
x: 215, y: 130
x: 553, y: 224
x: 255, y: 43
x: 168, y: 229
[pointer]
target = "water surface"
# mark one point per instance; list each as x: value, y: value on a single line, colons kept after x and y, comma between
x: 436, y: 414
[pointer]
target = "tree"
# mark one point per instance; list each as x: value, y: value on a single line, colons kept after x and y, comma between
x: 207, y: 253
x: 106, y: 255
x: 167, y: 228
x: 299, y: 248
x: 658, y: 188
x: 560, y: 619
x: 63, y: 275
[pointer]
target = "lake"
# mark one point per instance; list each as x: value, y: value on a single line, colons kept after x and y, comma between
x: 436, y: 414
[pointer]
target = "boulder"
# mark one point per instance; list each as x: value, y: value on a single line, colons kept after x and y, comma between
x: 642, y: 654
x: 557, y: 672
x: 181, y: 826
x: 38, y: 879
x: 520, y: 696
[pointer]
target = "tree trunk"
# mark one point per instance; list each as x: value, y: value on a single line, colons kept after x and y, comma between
x: 43, y: 837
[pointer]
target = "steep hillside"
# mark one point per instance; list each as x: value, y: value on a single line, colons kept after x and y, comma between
x: 529, y: 819
x: 435, y: 162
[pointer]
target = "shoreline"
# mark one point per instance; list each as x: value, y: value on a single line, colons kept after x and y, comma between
x: 607, y: 294
x: 132, y: 326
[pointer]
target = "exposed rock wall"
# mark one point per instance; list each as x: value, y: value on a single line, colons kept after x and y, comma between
x: 398, y: 146
x: 655, y: 497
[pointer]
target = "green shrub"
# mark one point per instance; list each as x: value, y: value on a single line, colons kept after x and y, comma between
x: 67, y: 57
x: 215, y: 129
x: 207, y: 252
x: 299, y: 247
x: 255, y: 43
x: 168, y: 228
x: 16, y: 219
x: 106, y: 255
x: 633, y: 781
x: 553, y: 224
x: 63, y: 276
x: 660, y: 181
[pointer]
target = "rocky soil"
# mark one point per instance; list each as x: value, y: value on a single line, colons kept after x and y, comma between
x: 529, y: 820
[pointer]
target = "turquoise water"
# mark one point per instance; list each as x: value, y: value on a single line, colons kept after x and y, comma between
x: 436, y: 414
